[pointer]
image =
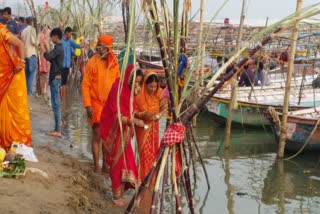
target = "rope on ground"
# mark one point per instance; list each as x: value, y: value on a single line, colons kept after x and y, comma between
x: 305, y: 144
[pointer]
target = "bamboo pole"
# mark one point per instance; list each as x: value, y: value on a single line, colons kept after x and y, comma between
x: 200, y: 47
x: 227, y: 176
x: 234, y: 80
x: 283, y: 135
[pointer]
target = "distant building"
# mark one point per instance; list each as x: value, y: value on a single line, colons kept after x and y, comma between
x: 109, y: 23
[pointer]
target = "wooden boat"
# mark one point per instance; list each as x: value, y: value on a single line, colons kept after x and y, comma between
x: 157, y: 66
x: 250, y: 111
x: 303, y: 128
x: 149, y: 65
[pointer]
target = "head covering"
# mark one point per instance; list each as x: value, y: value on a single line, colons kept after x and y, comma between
x: 149, y: 102
x: 106, y: 39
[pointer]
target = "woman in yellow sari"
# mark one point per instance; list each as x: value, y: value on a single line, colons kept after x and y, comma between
x: 14, y: 112
x: 150, y: 108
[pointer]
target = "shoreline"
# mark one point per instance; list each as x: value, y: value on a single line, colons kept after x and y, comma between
x: 71, y: 185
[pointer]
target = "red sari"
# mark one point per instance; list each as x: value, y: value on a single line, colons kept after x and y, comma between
x: 148, y: 140
x: 123, y: 168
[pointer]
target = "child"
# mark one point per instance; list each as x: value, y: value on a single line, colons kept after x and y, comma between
x: 55, y: 57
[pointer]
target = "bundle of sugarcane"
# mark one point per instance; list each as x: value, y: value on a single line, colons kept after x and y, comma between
x: 176, y: 149
x: 171, y: 144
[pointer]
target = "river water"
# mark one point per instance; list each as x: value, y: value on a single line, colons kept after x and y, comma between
x: 246, y: 179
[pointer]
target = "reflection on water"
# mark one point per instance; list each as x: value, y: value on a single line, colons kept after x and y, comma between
x: 247, y: 179
x: 76, y: 128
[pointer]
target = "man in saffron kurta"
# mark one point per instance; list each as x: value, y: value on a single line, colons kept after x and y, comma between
x: 14, y: 112
x: 100, y: 73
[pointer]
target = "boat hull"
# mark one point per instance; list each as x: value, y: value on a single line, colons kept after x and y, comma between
x: 298, y: 132
x: 247, y: 114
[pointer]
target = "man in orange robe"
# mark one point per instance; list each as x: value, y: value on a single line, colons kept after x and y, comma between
x: 14, y: 111
x: 100, y: 73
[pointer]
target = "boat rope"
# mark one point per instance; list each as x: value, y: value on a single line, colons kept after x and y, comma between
x: 305, y: 143
x: 275, y: 118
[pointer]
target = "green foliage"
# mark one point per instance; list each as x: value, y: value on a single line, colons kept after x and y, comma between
x: 15, y: 168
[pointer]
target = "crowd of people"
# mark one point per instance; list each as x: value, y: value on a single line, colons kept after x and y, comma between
x: 113, y: 121
x: 139, y: 108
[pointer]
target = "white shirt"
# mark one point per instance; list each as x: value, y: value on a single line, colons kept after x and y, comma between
x: 29, y: 39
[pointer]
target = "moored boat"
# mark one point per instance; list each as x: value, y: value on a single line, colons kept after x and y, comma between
x: 303, y: 128
x: 251, y: 108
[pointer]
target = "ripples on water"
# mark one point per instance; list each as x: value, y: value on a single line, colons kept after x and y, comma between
x: 246, y: 180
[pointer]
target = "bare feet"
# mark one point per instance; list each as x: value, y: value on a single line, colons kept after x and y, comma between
x: 98, y: 171
x: 105, y: 169
x: 119, y: 202
x: 54, y: 134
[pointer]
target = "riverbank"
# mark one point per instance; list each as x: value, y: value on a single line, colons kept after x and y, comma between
x: 71, y: 185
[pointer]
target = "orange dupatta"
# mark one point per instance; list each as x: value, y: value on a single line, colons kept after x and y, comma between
x: 148, y: 140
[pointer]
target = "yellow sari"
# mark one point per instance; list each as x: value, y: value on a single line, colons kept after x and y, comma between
x: 14, y: 112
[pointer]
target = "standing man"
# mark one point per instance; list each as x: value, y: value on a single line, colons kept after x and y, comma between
x: 29, y: 39
x: 68, y: 44
x: 21, y: 24
x: 10, y: 23
x: 100, y: 73
x: 2, y: 21
x: 55, y: 57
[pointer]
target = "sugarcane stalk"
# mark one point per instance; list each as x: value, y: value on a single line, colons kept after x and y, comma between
x: 155, y: 195
x: 144, y: 185
x: 124, y: 19
x: 187, y: 183
x: 164, y: 184
x: 200, y: 157
x: 191, y: 160
x: 176, y: 31
x: 283, y: 134
x: 174, y: 180
x: 164, y: 55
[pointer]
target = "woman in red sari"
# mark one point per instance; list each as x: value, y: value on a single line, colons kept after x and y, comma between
x: 150, y: 108
x: 117, y: 144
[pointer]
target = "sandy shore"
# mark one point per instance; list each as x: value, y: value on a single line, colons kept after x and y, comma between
x: 71, y: 186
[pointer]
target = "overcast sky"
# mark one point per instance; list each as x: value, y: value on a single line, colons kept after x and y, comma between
x: 256, y: 9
